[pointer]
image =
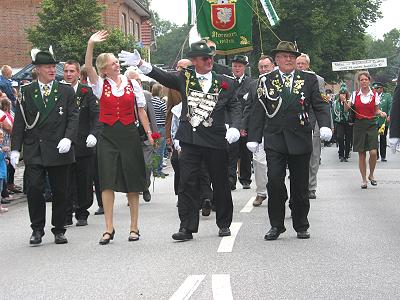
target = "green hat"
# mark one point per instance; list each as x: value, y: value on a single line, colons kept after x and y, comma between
x: 343, y: 88
x: 200, y: 49
x: 43, y: 57
x: 239, y: 58
x: 285, y: 46
x: 376, y: 85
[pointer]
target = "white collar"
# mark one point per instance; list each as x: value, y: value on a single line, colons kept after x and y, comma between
x: 207, y: 76
x: 75, y: 87
x: 280, y: 72
x: 41, y: 84
x: 370, y: 93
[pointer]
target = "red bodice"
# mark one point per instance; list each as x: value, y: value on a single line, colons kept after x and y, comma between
x: 364, y: 111
x: 113, y: 108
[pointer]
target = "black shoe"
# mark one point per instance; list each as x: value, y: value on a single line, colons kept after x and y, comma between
x: 105, y: 240
x: 383, y: 159
x: 274, y: 233
x: 232, y: 184
x: 206, y: 208
x: 59, y: 238
x: 36, y: 237
x: 224, y: 231
x: 81, y: 223
x: 246, y: 186
x: 312, y: 195
x: 5, y: 201
x: 146, y: 196
x: 341, y: 159
x: 182, y: 235
x: 303, y: 234
x: 132, y: 238
x: 345, y: 159
x: 68, y: 222
x: 99, y: 211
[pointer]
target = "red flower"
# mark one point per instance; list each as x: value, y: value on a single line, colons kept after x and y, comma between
x: 155, y: 135
x: 84, y: 90
x: 224, y: 85
x: 301, y: 102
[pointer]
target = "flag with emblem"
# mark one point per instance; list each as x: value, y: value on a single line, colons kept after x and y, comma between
x: 228, y: 23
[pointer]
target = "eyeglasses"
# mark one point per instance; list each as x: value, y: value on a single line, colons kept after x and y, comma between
x: 205, y: 58
x: 286, y: 56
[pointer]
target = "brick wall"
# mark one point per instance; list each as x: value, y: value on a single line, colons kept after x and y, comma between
x: 15, y: 17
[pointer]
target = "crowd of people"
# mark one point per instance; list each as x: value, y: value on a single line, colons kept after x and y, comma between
x: 97, y: 129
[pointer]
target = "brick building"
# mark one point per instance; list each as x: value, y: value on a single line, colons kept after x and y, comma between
x: 131, y: 16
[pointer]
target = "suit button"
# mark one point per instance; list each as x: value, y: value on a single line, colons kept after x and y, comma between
x: 117, y: 112
x: 40, y: 141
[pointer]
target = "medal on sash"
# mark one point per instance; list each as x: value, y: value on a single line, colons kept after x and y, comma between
x: 200, y: 107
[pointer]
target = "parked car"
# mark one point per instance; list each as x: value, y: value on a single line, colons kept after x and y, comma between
x: 26, y: 73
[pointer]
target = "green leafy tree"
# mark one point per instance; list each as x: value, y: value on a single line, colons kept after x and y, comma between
x: 326, y: 30
x: 67, y: 26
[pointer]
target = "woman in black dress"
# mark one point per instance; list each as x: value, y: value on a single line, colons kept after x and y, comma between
x: 120, y: 156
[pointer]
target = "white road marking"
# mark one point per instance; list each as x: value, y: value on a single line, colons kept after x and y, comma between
x: 227, y: 242
x: 249, y: 206
x: 221, y: 287
x: 188, y: 287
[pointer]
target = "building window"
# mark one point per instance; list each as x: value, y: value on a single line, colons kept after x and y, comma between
x: 123, y: 23
x: 138, y: 31
x: 131, y: 27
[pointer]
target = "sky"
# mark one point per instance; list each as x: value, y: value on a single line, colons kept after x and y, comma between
x: 176, y: 11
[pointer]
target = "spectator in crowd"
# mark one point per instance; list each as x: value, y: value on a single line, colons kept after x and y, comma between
x: 160, y: 109
x: 3, y: 167
x: 5, y: 83
x: 365, y: 105
x: 120, y: 156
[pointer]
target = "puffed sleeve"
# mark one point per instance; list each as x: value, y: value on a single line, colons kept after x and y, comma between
x: 97, y: 88
x: 139, y: 95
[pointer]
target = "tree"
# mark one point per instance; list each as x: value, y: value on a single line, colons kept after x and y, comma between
x: 67, y: 26
x: 326, y: 30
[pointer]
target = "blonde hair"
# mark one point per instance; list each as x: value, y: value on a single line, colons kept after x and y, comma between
x: 102, y: 61
x: 156, y: 90
x: 365, y: 73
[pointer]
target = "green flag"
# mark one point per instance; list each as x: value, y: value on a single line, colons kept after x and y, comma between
x: 228, y: 23
x: 270, y: 12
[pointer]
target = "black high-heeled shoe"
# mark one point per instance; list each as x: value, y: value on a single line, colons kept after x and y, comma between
x: 133, y: 238
x: 105, y: 241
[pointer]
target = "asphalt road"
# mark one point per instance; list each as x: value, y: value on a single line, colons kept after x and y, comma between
x: 353, y: 252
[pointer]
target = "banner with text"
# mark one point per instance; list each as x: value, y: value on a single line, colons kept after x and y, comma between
x: 359, y: 64
x: 228, y: 23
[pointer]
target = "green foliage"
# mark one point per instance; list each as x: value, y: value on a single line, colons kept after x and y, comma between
x: 67, y: 26
x: 326, y: 30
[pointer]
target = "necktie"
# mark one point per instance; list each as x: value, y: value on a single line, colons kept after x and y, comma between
x: 287, y: 81
x: 46, y: 90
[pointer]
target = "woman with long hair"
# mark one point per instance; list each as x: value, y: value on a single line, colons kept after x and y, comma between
x: 364, y: 104
x: 119, y: 152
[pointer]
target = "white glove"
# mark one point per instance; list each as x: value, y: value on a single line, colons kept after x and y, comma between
x: 64, y: 145
x: 91, y: 141
x: 232, y: 135
x: 325, y: 134
x: 14, y: 158
x: 227, y: 126
x: 176, y: 145
x: 129, y: 59
x: 394, y: 143
x: 252, y: 146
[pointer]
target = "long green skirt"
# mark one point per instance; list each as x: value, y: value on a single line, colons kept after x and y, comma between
x: 365, y: 135
x: 120, y: 158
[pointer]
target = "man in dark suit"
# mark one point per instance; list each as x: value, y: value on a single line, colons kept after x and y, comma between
x: 82, y: 172
x: 238, y: 151
x: 202, y: 133
x: 394, y: 127
x: 45, y: 126
x: 280, y: 113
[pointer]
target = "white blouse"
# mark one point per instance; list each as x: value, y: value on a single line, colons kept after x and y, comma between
x: 119, y: 91
x: 367, y: 98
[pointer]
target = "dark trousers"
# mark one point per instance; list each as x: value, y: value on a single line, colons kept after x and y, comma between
x: 216, y: 161
x: 204, y: 179
x: 383, y: 143
x: 58, y: 177
x: 238, y: 151
x: 10, y: 174
x: 277, y: 193
x: 96, y: 182
x: 343, y: 131
x: 84, y: 186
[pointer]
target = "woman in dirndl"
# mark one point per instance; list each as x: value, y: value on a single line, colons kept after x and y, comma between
x: 119, y: 151
x: 365, y: 107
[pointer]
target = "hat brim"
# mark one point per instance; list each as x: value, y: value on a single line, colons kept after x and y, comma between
x: 45, y: 63
x: 240, y: 61
x: 276, y: 51
x: 200, y: 54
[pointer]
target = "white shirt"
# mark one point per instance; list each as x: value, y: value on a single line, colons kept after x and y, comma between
x: 41, y: 85
x: 240, y: 79
x: 119, y: 91
x: 75, y: 87
x: 207, y: 81
x: 365, y: 99
x: 291, y: 78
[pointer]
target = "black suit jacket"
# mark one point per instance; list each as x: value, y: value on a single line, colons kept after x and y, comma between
x: 284, y: 132
x: 40, y: 143
x: 213, y: 136
x: 251, y: 97
x: 88, y: 106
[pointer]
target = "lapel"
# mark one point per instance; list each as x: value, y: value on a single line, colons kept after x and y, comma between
x: 50, y: 103
x: 37, y: 97
x: 79, y: 95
